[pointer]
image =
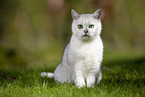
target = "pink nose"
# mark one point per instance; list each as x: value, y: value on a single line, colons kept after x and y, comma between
x: 85, y: 31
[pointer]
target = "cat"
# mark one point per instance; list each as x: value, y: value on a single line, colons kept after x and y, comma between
x: 81, y: 61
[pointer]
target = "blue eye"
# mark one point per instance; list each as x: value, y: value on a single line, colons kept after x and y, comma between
x: 91, y: 26
x: 80, y: 26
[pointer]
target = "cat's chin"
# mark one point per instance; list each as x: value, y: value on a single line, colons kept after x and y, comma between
x: 86, y: 37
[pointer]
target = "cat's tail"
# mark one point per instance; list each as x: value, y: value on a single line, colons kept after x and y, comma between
x: 47, y: 74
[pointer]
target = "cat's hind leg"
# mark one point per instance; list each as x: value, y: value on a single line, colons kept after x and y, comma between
x: 61, y: 74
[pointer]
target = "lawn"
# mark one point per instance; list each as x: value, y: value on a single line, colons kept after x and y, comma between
x: 123, y: 76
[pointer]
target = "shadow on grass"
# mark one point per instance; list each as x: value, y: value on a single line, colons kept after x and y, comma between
x: 132, y: 65
x: 126, y: 61
x: 126, y: 73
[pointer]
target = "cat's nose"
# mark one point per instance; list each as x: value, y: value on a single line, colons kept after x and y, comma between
x: 85, y: 31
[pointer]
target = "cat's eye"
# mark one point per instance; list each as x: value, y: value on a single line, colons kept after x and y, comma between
x: 80, y: 26
x: 91, y: 26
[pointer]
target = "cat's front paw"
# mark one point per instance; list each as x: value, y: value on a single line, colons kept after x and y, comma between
x: 80, y: 83
x: 90, y: 85
x: 90, y: 80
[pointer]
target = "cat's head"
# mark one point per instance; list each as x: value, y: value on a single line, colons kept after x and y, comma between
x: 86, y: 26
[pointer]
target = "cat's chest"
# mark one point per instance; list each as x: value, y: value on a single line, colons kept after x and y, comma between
x: 85, y: 53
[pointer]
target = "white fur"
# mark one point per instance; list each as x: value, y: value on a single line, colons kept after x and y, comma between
x: 48, y: 74
x: 82, y: 57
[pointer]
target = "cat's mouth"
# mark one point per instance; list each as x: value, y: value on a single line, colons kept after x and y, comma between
x: 86, y: 35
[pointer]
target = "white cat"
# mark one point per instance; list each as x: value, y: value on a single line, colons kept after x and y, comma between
x: 81, y: 62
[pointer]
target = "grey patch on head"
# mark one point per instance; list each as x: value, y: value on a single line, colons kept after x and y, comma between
x: 74, y: 14
x: 97, y: 14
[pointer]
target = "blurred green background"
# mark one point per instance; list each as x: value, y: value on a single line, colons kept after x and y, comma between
x: 36, y: 31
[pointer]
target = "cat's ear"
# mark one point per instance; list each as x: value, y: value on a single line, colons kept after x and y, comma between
x: 74, y: 14
x: 97, y: 14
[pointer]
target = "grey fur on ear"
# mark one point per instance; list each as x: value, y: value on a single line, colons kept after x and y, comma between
x: 97, y: 14
x: 74, y: 14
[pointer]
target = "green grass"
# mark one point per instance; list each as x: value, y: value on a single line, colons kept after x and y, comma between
x: 122, y: 77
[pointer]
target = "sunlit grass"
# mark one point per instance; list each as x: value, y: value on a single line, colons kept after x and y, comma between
x: 121, y: 78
